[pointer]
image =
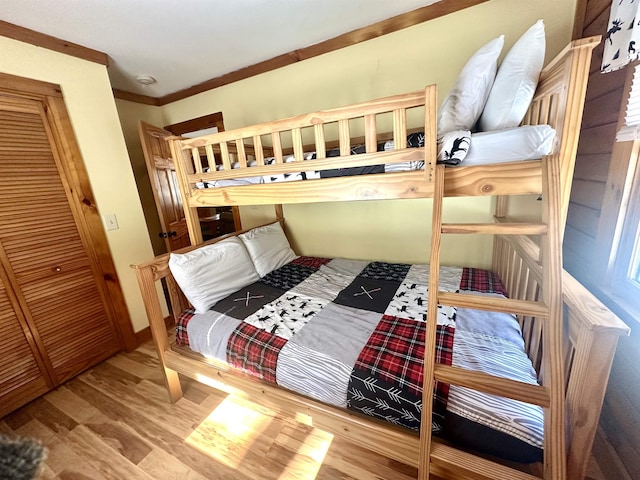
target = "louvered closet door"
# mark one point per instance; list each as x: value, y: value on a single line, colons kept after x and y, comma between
x: 43, y: 248
x: 23, y: 376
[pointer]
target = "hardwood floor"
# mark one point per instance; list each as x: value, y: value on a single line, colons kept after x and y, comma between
x: 115, y: 422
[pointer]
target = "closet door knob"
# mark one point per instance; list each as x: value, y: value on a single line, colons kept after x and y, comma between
x: 57, y: 269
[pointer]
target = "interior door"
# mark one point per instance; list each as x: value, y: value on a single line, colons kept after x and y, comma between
x: 164, y: 184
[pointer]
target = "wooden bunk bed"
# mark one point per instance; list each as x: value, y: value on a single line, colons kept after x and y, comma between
x: 578, y: 333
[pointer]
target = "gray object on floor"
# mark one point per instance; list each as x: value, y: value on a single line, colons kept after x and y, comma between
x: 20, y: 458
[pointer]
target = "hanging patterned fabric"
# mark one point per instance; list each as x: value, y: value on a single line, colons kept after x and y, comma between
x: 622, y: 40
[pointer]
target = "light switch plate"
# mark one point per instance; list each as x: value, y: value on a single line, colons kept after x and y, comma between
x: 110, y: 221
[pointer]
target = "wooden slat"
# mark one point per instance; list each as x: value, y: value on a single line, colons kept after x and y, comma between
x: 241, y: 153
x: 226, y: 159
x: 454, y: 463
x: 370, y: 133
x: 495, y: 228
x: 345, y: 137
x: 258, y: 150
x: 276, y: 143
x: 494, y: 304
x: 501, y: 387
x: 298, y: 150
x: 400, y: 128
x: 318, y: 131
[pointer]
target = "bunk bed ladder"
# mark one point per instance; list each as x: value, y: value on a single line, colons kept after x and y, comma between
x: 435, y: 458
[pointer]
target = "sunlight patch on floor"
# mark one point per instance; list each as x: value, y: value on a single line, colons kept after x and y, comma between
x: 229, y: 432
x: 218, y: 385
x: 304, y: 419
x: 307, y: 460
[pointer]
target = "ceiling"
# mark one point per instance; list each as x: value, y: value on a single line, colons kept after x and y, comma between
x: 187, y: 42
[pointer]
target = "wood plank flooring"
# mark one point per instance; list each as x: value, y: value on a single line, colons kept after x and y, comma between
x: 115, y: 422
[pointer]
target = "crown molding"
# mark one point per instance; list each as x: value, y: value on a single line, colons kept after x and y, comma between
x: 136, y: 97
x: 43, y: 40
x: 384, y: 27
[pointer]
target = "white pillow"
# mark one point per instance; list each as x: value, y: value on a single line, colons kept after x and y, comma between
x: 464, y: 103
x: 210, y: 273
x: 515, y: 82
x: 268, y: 248
x: 528, y: 142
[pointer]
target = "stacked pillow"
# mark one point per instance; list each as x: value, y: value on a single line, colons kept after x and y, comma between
x: 515, y: 82
x: 209, y: 273
x: 493, y: 99
x: 463, y: 104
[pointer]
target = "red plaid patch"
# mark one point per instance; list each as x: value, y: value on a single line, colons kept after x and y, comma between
x: 313, y: 263
x: 395, y: 353
x: 182, y: 337
x: 254, y: 351
x: 479, y: 280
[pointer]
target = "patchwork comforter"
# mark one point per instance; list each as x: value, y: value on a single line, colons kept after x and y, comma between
x: 351, y: 333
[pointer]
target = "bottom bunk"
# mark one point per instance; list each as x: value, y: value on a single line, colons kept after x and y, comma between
x: 268, y: 322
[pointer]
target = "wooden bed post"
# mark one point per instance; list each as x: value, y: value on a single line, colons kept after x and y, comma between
x: 279, y: 212
x: 158, y: 329
x: 190, y: 213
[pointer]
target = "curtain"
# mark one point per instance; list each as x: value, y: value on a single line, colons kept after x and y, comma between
x: 622, y: 40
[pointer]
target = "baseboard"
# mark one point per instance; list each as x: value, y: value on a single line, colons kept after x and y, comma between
x: 144, y: 335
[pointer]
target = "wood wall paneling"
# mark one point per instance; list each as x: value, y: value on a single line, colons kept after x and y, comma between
x: 592, y: 167
x: 594, y: 10
x: 607, y: 107
x: 583, y: 218
x: 597, y: 139
x: 588, y: 193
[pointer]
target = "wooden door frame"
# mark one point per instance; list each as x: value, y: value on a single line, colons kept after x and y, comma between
x: 195, y: 124
x: 82, y: 200
x: 146, y: 130
x: 201, y: 123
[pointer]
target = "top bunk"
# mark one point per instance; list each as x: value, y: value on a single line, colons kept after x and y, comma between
x: 396, y: 138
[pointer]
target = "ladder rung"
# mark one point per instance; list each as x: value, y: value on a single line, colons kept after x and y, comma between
x: 496, y: 228
x: 450, y: 462
x: 493, y: 304
x: 484, y: 382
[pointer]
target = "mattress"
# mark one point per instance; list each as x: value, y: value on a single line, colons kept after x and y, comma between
x: 350, y: 333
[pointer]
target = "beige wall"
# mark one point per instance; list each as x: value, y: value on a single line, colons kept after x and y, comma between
x: 91, y: 107
x: 130, y: 114
x: 432, y: 52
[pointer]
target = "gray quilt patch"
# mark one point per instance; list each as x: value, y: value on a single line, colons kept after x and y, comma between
x: 209, y: 334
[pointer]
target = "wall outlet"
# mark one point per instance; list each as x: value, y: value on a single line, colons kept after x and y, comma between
x: 110, y: 221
